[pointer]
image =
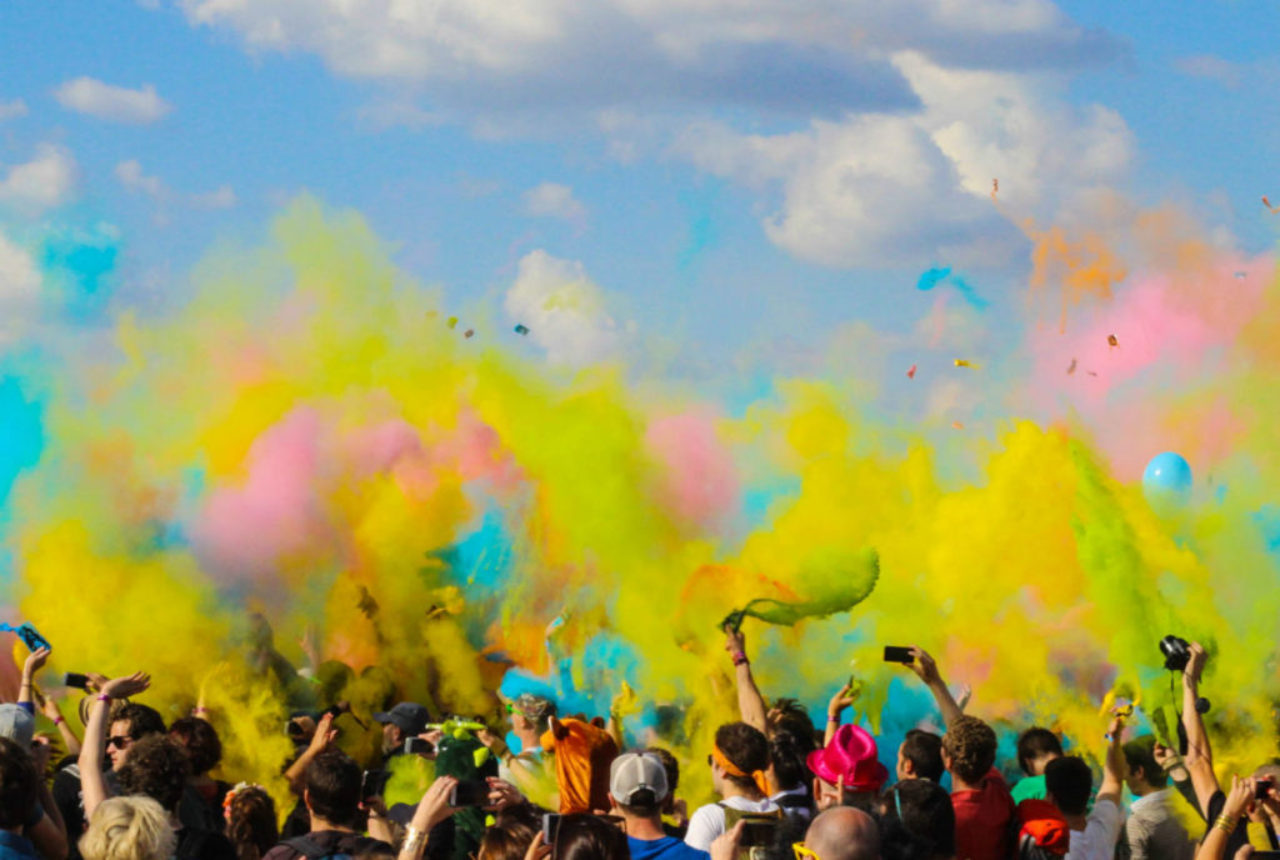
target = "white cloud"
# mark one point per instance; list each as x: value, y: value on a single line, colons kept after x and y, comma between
x: 132, y: 178
x: 563, y: 310
x: 136, y: 180
x: 44, y: 183
x: 883, y: 189
x: 13, y: 109
x: 552, y: 200
x: 788, y: 56
x: 105, y: 101
x: 19, y: 289
x: 221, y: 198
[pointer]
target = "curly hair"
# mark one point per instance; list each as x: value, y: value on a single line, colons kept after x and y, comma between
x: 251, y: 823
x: 158, y: 768
x: 143, y: 720
x: 18, y: 784
x: 971, y: 744
x: 199, y: 738
x: 128, y: 828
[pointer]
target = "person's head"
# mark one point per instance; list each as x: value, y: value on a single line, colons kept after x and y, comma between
x: 583, y: 836
x: 843, y: 833
x: 129, y: 828
x: 130, y: 724
x: 530, y: 712
x: 1036, y: 748
x: 201, y: 742
x: 1144, y: 774
x: 251, y: 821
x: 672, y: 768
x: 847, y: 770
x: 918, y: 822
x: 158, y: 768
x: 788, y: 752
x: 920, y: 756
x: 969, y: 749
x: 738, y: 765
x: 332, y: 789
x: 17, y: 725
x: 789, y: 715
x: 405, y: 720
x: 18, y: 784
x: 638, y: 785
x: 1067, y: 782
x: 506, y: 840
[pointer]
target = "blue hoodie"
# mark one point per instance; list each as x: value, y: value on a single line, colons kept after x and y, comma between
x: 666, y: 848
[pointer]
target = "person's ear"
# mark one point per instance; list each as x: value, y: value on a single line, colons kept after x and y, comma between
x: 909, y: 768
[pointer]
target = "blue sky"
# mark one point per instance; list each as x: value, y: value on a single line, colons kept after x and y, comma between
x: 692, y: 157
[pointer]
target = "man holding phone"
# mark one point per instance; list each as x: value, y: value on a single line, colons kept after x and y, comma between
x: 637, y: 790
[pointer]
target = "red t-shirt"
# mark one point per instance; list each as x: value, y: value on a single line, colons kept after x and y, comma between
x: 983, y: 819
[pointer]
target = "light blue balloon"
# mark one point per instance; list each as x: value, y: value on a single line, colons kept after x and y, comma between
x: 1167, y: 479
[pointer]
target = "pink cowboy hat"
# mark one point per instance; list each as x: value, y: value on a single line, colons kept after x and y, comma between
x: 852, y: 755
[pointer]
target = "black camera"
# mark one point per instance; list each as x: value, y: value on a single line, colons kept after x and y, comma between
x: 1176, y: 651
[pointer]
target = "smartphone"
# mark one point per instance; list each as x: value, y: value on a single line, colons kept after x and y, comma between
x: 418, y: 746
x: 550, y: 827
x: 374, y: 783
x: 757, y: 834
x: 898, y: 654
x: 1262, y: 789
x: 31, y: 637
x: 75, y: 679
x: 469, y: 792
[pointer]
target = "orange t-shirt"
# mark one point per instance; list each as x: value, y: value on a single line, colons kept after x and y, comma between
x: 583, y: 753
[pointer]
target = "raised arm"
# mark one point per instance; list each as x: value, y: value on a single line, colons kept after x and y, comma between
x: 750, y: 703
x: 49, y: 835
x: 1199, y: 757
x: 92, y: 782
x: 69, y: 739
x: 324, y: 735
x: 1113, y: 764
x: 34, y: 663
x: 843, y: 698
x: 927, y: 669
x: 1214, y: 846
x: 432, y: 809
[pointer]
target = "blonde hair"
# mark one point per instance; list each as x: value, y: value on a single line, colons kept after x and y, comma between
x: 129, y: 828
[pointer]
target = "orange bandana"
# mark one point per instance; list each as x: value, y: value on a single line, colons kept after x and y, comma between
x: 758, y: 777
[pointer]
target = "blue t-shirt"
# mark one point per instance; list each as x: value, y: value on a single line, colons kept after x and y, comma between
x: 15, y: 847
x: 666, y: 848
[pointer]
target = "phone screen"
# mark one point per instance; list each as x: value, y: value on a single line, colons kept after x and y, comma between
x: 550, y: 827
x: 898, y: 654
x: 757, y: 833
x: 470, y: 792
x: 374, y: 783
x: 75, y: 679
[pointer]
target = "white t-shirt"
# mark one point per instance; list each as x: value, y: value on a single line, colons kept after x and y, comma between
x: 708, y: 822
x: 1101, y: 833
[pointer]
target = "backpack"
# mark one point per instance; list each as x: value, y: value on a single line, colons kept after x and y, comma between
x: 733, y: 816
x: 1043, y: 833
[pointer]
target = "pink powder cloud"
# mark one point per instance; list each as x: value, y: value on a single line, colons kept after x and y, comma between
x: 698, y: 477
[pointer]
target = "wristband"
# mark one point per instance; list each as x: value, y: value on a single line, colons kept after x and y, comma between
x: 1226, y: 823
x: 833, y: 718
x: 59, y: 720
x: 197, y: 711
x: 103, y: 697
x: 413, y: 839
x: 740, y: 659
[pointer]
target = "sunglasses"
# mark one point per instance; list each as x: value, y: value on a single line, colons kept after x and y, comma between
x: 119, y: 741
x: 803, y: 853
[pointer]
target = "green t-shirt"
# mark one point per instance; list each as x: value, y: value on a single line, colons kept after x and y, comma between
x: 1031, y: 788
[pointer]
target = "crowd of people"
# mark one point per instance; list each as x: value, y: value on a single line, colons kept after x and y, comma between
x: 130, y: 787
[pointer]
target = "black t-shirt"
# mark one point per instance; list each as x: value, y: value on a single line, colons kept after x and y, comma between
x: 197, y: 844
x: 326, y: 843
x: 66, y: 794
x: 1240, y: 836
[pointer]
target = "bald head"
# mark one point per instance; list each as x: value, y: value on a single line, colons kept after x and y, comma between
x: 844, y: 833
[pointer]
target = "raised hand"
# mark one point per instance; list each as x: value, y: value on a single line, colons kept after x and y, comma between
x: 734, y: 641
x: 325, y: 734
x: 924, y: 666
x: 503, y: 794
x: 1240, y: 797
x: 35, y: 662
x: 1195, y: 665
x: 844, y: 698
x: 434, y: 806
x: 725, y: 846
x: 126, y: 686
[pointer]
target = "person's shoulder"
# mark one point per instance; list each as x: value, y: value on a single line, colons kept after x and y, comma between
x: 283, y: 851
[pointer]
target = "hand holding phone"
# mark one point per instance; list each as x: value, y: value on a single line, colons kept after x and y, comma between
x: 550, y: 828
x: 898, y: 654
x: 469, y: 792
x: 757, y: 833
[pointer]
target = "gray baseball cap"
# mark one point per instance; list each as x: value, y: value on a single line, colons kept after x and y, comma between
x: 17, y: 724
